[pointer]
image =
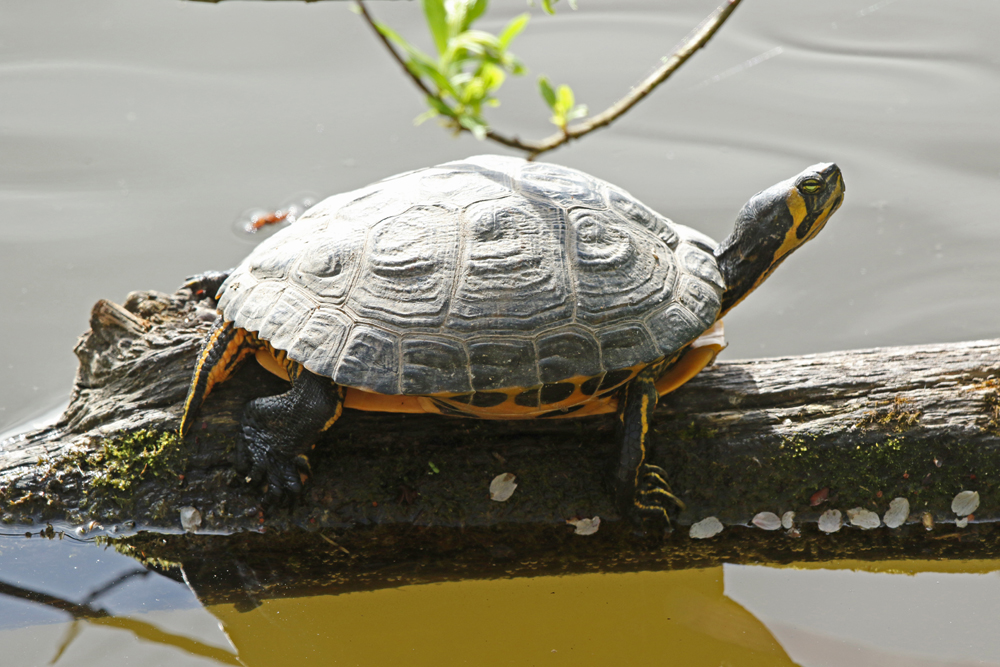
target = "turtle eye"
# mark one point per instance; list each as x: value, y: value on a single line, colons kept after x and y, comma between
x: 811, y: 186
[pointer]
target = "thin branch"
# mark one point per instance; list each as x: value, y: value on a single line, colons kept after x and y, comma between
x: 696, y: 40
x: 392, y: 50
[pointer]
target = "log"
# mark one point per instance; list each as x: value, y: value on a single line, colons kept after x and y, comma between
x: 834, y: 431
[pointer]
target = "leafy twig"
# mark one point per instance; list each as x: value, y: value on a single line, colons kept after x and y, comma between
x: 696, y: 40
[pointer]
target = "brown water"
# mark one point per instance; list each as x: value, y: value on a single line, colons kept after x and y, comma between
x: 133, y: 134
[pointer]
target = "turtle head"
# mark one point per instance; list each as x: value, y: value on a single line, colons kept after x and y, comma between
x: 773, y: 224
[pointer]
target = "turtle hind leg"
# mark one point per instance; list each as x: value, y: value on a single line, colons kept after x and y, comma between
x: 641, y: 489
x: 279, y: 430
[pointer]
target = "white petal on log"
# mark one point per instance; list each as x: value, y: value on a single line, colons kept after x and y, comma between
x: 898, y: 513
x: 502, y: 487
x: 830, y: 521
x: 788, y: 520
x: 863, y: 519
x: 190, y: 519
x: 965, y: 503
x: 585, y: 526
x: 767, y: 521
x: 706, y: 528
x: 962, y: 522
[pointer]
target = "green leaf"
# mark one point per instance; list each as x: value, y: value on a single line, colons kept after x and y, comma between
x: 547, y: 6
x: 512, y: 29
x: 548, y: 94
x: 476, y: 41
x: 474, y: 11
x: 437, y: 21
x: 564, y: 99
x: 492, y: 76
x: 441, y: 107
x: 473, y: 124
x: 430, y: 71
x: 579, y: 111
x: 425, y: 116
x: 411, y: 51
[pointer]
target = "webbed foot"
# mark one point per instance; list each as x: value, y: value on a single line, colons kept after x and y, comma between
x: 279, y: 430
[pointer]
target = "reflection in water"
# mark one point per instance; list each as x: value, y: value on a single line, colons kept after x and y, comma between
x: 40, y: 578
x: 943, y: 614
x: 674, y: 618
x: 827, y: 618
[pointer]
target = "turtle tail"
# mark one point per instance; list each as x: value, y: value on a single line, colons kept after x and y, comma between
x: 225, y: 348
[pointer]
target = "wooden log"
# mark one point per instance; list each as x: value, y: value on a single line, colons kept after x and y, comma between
x: 835, y: 431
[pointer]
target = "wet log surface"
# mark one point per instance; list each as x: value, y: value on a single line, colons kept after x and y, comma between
x: 404, y: 498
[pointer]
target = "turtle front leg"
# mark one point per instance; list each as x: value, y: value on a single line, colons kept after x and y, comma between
x: 279, y: 430
x: 641, y: 489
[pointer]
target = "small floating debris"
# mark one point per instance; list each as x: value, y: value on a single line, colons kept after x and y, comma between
x: 830, y: 521
x: 962, y: 522
x: 190, y: 519
x: 767, y: 521
x: 898, y: 512
x: 88, y: 527
x: 585, y: 526
x: 788, y: 520
x: 502, y: 487
x: 928, y: 520
x: 705, y: 528
x: 965, y: 503
x: 863, y: 519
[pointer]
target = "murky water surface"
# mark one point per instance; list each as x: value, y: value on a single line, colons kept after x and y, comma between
x: 133, y: 134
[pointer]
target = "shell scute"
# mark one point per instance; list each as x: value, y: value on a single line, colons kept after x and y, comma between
x: 513, y: 248
x: 287, y: 317
x: 673, y: 327
x: 617, y: 267
x: 407, y: 278
x: 258, y: 304
x: 502, y: 363
x: 635, y: 211
x: 565, y: 187
x: 370, y: 361
x: 332, y: 264
x: 567, y: 353
x: 320, y: 340
x: 702, y: 299
x: 626, y: 345
x: 701, y: 264
x: 434, y: 365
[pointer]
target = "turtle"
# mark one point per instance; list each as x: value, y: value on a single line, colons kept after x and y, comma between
x: 493, y: 288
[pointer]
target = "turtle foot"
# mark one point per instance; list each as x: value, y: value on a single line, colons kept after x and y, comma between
x: 653, y: 497
x: 263, y: 465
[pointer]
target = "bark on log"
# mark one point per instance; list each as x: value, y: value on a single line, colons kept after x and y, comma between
x: 921, y: 423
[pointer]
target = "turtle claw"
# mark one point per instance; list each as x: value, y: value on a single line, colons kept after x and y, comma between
x: 653, y: 495
x: 280, y: 477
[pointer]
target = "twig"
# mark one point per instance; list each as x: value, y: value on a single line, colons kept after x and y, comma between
x: 696, y: 40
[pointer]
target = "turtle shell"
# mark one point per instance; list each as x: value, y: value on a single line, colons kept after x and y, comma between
x: 482, y: 274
